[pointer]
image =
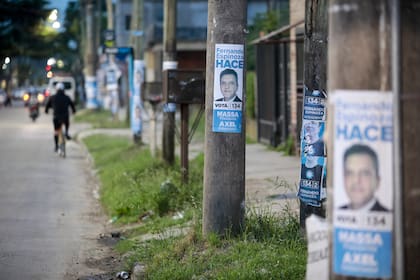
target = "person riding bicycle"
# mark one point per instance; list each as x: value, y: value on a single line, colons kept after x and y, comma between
x: 60, y: 104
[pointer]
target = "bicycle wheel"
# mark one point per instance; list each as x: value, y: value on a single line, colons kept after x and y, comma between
x: 62, y: 143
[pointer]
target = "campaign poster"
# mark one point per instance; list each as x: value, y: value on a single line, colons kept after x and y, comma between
x: 113, y: 74
x: 136, y: 104
x: 318, y: 250
x: 228, y: 87
x: 312, y: 184
x: 363, y: 183
x: 91, y: 89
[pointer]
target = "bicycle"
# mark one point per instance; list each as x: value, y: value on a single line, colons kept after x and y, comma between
x: 62, y: 141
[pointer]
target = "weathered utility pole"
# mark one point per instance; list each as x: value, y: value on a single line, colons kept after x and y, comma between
x: 110, y: 15
x: 224, y: 167
x: 315, y: 77
x: 363, y: 126
x: 137, y: 33
x: 90, y: 58
x: 137, y: 29
x: 169, y: 62
x: 409, y: 101
x: 98, y: 21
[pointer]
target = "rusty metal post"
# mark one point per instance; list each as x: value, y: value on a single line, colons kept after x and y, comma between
x: 184, y: 141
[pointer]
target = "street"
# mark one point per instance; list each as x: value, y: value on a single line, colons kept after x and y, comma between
x: 49, y: 220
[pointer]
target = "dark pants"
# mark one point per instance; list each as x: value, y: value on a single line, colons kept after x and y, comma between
x: 59, y: 121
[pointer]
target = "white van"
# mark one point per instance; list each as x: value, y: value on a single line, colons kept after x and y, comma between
x: 69, y: 86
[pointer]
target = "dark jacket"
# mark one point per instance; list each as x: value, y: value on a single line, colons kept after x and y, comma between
x: 60, y: 104
x: 376, y: 207
x: 236, y: 99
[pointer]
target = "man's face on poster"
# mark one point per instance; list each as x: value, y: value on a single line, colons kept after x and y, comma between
x: 311, y: 133
x: 360, y: 179
x: 228, y: 86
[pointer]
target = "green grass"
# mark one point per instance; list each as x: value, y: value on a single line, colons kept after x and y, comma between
x: 134, y: 184
x: 99, y: 119
x: 287, y: 148
x: 140, y: 190
x: 270, y: 247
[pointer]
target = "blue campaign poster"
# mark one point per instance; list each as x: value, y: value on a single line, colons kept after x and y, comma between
x: 313, y: 154
x: 135, y: 76
x: 228, y: 85
x: 363, y: 253
x: 135, y: 98
x: 363, y: 183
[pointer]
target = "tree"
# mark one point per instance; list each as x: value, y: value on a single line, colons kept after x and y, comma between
x: 20, y: 32
x: 264, y: 23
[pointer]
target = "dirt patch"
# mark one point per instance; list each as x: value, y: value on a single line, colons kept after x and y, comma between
x: 96, y: 259
x: 270, y: 194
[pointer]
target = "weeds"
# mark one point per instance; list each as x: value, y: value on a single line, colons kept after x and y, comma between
x: 140, y: 189
x: 288, y: 147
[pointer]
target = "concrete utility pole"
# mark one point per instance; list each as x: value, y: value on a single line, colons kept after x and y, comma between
x: 169, y: 62
x: 409, y: 101
x: 136, y: 41
x: 137, y: 27
x: 98, y: 21
x: 90, y: 57
x: 224, y: 167
x: 315, y: 69
x: 365, y: 58
x: 110, y: 15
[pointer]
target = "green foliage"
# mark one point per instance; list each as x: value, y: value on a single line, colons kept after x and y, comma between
x: 271, y: 247
x: 288, y: 148
x: 134, y: 184
x: 250, y: 94
x: 139, y: 188
x: 264, y: 23
x: 20, y: 25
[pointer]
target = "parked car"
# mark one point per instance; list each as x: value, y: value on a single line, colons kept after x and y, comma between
x: 18, y: 93
x: 3, y: 97
x: 69, y: 86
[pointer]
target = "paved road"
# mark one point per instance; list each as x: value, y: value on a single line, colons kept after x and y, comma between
x: 48, y: 217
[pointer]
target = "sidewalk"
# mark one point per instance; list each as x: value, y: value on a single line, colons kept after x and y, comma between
x: 271, y: 179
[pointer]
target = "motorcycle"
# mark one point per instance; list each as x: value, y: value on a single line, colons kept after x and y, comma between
x: 33, y: 101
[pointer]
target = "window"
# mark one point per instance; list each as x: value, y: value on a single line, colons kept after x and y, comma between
x: 127, y: 22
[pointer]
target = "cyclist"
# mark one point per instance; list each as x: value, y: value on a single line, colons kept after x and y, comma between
x: 60, y: 104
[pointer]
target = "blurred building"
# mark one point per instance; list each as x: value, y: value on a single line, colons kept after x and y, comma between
x: 191, y: 30
x: 279, y: 70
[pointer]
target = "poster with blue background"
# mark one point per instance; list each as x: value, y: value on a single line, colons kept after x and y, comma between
x: 313, y: 155
x: 362, y: 183
x: 228, y: 87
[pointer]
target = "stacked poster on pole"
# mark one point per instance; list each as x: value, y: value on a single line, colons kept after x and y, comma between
x: 313, y: 153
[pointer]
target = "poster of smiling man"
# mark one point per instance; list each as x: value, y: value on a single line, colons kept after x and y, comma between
x: 362, y: 183
x: 228, y: 85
